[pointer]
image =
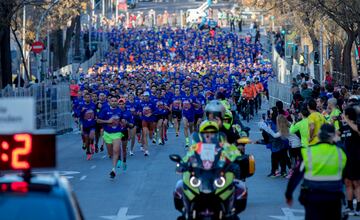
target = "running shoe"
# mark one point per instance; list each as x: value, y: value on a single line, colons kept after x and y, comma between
x: 154, y: 141
x: 171, y: 125
x: 83, y: 146
x: 112, y: 174
x: 357, y: 213
x: 118, y: 165
x: 124, y: 166
x: 272, y: 175
x: 349, y: 211
x: 92, y: 147
x: 131, y: 153
x: 284, y: 174
x: 96, y: 148
x: 102, y: 148
x: 166, y: 139
x: 142, y: 148
x: 88, y: 156
x: 160, y: 142
x: 177, y: 134
x: 146, y: 153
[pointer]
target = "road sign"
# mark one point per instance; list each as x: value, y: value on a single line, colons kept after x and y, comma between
x: 37, y: 47
x: 17, y: 115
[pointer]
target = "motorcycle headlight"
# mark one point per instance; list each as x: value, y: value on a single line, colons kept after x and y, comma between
x: 195, y: 182
x: 220, y: 182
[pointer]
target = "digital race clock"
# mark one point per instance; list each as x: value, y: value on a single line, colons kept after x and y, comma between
x: 25, y: 151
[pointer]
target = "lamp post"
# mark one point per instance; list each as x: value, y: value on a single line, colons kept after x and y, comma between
x: 321, y: 63
x: 23, y: 43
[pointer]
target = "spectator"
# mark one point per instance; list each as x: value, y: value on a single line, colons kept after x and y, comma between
x: 316, y: 120
x: 334, y: 113
x: 277, y: 145
x: 328, y: 78
x: 352, y: 150
x: 306, y: 93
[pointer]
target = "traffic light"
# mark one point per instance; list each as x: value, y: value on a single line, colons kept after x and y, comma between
x: 316, y: 57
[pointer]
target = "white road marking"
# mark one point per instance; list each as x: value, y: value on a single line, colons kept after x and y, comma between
x: 103, y: 157
x: 289, y: 214
x: 121, y: 215
x: 82, y: 178
x: 93, y: 167
x: 67, y: 174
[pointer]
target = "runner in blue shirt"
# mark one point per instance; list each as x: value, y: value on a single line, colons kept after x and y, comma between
x: 176, y: 107
x: 199, y: 103
x: 161, y: 113
x: 111, y: 120
x: 188, y: 115
x: 148, y: 122
x: 88, y: 122
x: 127, y: 123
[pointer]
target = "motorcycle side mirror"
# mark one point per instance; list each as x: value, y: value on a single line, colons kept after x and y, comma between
x: 174, y: 157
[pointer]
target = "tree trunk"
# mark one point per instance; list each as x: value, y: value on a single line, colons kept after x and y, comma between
x: 57, y: 45
x: 346, y: 58
x: 66, y: 47
x: 77, y: 55
x: 26, y: 77
x: 5, y: 56
x: 315, y: 44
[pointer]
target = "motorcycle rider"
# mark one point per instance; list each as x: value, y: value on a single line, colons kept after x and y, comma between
x: 209, y: 133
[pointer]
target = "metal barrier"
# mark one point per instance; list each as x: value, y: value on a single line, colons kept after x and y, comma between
x: 74, y: 68
x: 53, y: 104
x: 279, y: 92
x: 279, y: 66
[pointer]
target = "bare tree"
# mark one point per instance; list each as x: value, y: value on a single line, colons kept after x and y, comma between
x: 346, y: 14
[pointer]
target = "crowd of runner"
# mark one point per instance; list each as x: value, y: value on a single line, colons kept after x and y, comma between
x: 153, y: 79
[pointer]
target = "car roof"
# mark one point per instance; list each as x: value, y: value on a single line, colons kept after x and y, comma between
x: 53, y: 181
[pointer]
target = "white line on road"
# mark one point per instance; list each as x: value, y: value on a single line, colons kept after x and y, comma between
x: 121, y: 215
x: 82, y: 178
x: 93, y: 167
x: 289, y: 214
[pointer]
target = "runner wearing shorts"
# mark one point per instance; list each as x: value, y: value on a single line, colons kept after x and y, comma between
x: 176, y: 110
x: 88, y: 122
x: 188, y: 118
x: 111, y: 118
x: 147, y: 122
x: 199, y: 102
x: 161, y: 114
x: 126, y: 124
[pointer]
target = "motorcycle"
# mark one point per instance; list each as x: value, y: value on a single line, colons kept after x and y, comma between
x: 208, y: 189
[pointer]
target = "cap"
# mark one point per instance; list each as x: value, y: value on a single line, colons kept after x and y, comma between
x: 146, y: 94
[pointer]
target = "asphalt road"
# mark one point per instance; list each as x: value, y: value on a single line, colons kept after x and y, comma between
x: 144, y: 191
